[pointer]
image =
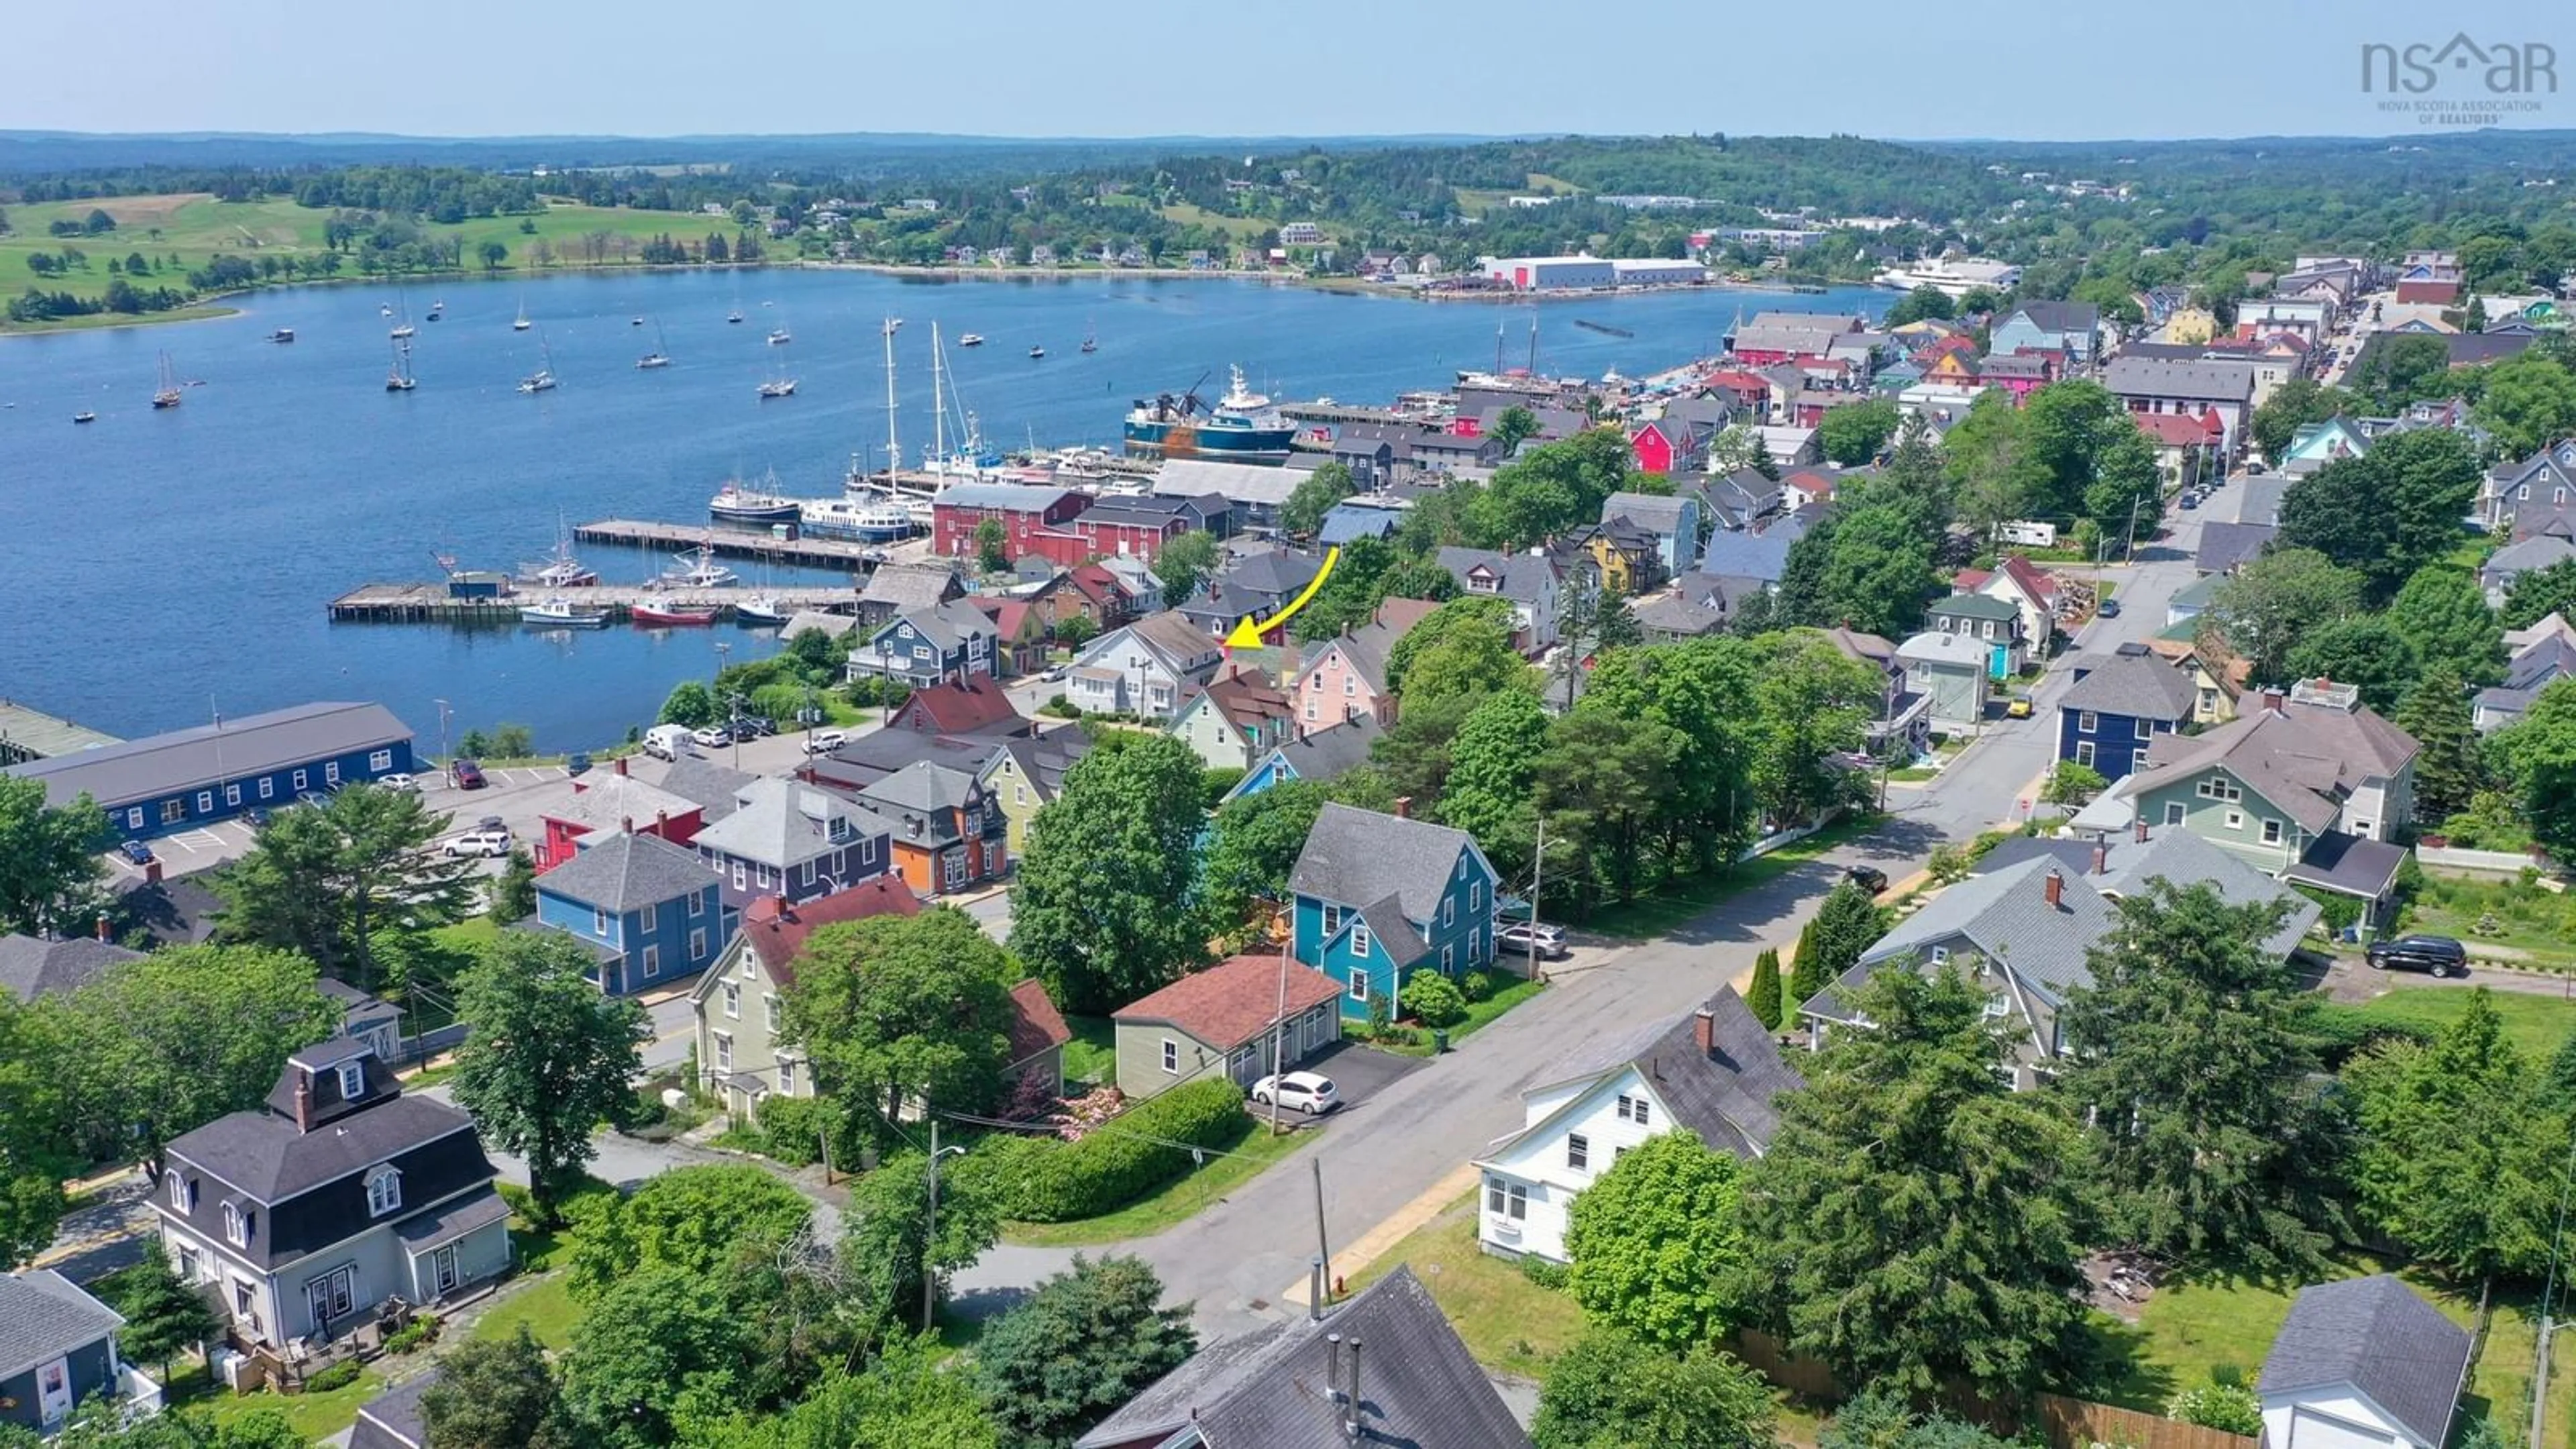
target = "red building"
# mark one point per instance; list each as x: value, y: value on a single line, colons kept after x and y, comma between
x: 975, y: 705
x: 1665, y: 446
x: 1032, y: 519
x: 1745, y: 392
x: 1132, y: 528
x: 614, y: 800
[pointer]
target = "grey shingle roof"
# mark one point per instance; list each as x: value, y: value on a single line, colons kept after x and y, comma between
x: 30, y: 968
x: 1395, y: 935
x: 625, y: 872
x: 711, y: 785
x: 1664, y: 515
x: 1521, y: 577
x: 1269, y: 1389
x: 910, y: 586
x: 2375, y: 1334
x: 780, y: 823
x: 43, y: 1316
x: 2304, y: 758
x: 2140, y: 686
x: 1750, y: 555
x: 2192, y: 381
x: 392, y: 1419
x: 2226, y: 546
x: 2183, y: 859
x: 1355, y: 856
x: 1328, y: 753
x: 262, y: 1154
x: 1727, y: 1095
x: 2008, y: 917
x: 192, y: 759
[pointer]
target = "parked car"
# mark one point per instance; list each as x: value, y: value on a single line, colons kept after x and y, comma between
x: 136, y: 851
x: 1517, y: 938
x: 2018, y: 708
x: 577, y: 763
x: 480, y: 842
x: 1868, y: 877
x: 2440, y: 955
x: 257, y: 816
x: 398, y: 782
x: 713, y: 737
x: 825, y: 741
x: 2110, y: 609
x: 467, y: 775
x: 1309, y: 1092
x: 2191, y: 500
x: 1057, y: 673
x: 753, y: 726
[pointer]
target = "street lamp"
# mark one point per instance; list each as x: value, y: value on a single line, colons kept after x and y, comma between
x: 446, y: 763
x: 930, y: 1235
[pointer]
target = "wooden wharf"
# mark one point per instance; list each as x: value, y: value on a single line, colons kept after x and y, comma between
x: 435, y: 603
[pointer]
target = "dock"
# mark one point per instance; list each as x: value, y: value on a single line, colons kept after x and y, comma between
x: 435, y: 603
x: 731, y: 542
x: 31, y: 734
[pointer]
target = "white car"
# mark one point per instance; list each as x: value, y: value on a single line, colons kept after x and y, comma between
x: 711, y: 738
x: 1309, y: 1092
x: 825, y: 741
x: 480, y: 842
x: 1517, y: 938
x: 404, y: 783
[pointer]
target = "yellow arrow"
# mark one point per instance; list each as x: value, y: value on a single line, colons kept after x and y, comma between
x: 1247, y: 634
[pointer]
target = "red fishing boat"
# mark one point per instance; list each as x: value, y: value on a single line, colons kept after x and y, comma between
x: 655, y: 613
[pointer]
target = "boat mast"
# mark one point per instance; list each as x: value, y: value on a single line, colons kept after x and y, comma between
x: 938, y: 401
x: 894, y: 452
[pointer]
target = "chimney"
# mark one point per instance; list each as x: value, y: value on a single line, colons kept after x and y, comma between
x: 2101, y: 858
x: 621, y: 764
x: 102, y: 928
x: 1704, y: 1031
x: 303, y: 1100
x: 2275, y: 701
x: 1358, y: 1421
x: 662, y: 823
x: 1403, y: 807
x: 2055, y: 887
x: 2141, y: 828
x: 626, y: 823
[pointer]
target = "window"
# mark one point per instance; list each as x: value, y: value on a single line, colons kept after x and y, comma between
x: 1475, y: 942
x: 299, y: 779
x: 1448, y: 960
x: 180, y: 1197
x: 1359, y: 986
x: 787, y: 1075
x: 807, y: 871
x: 1636, y: 1109
x: 2146, y: 729
x: 1332, y: 921
x: 733, y: 1001
x: 652, y: 916
x: 205, y: 802
x: 190, y: 1269
x: 173, y: 811
x: 1359, y: 938
x: 652, y: 961
x: 698, y: 944
x: 724, y: 1051
x: 1998, y: 1005
x: 1020, y: 793
x: 1506, y: 1199
x: 267, y: 791
x: 1350, y: 685
x: 2084, y: 753
x: 697, y: 904
x: 331, y: 773
x: 2235, y: 819
x: 1449, y: 911
x: 232, y: 795
x: 1476, y: 896
x: 953, y: 869
x: 384, y: 1191
x: 2174, y: 812
x: 353, y: 1080
x: 2087, y: 722
x: 1940, y: 954
x: 741, y: 877
x: 2271, y: 832
x: 1578, y: 1151
x: 769, y: 1009
x: 599, y: 920
x: 236, y: 1226
x: 1171, y: 1056
x: 380, y: 761
x: 1310, y: 710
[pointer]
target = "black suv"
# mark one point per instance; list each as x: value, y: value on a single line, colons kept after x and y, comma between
x: 2440, y: 955
x: 1868, y: 877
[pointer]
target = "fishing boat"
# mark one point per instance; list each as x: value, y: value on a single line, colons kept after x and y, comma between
x: 282, y: 334
x: 738, y: 503
x: 970, y: 339
x: 778, y: 387
x: 543, y: 379
x: 1037, y: 352
x: 657, y: 357
x: 701, y: 570
x: 560, y: 569
x: 1241, y: 427
x: 869, y: 516
x: 84, y: 417
x: 167, y: 395
x: 400, y: 379
x: 760, y: 611
x: 636, y: 322
x: 971, y: 459
x: 734, y: 316
x: 1090, y: 344
x: 563, y: 614
x: 522, y: 324
x: 655, y: 612
x: 778, y: 337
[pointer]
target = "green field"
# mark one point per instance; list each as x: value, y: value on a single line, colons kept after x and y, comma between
x: 2536, y: 1025
x: 1241, y: 228
x: 196, y: 228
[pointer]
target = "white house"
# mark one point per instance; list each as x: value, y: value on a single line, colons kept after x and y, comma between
x: 1148, y: 667
x: 2362, y: 1364
x: 1715, y: 1071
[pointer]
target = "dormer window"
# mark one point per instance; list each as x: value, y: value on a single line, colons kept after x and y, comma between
x: 384, y: 1190
x: 353, y: 1080
x: 237, y: 1226
x: 180, y: 1197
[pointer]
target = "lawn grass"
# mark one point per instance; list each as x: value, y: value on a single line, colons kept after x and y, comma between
x: 1679, y: 901
x: 1480, y: 1014
x: 2536, y: 1025
x: 544, y: 1304
x: 1092, y: 1055
x: 312, y: 1415
x: 1508, y: 1323
x: 2535, y: 924
x: 1180, y: 1199
x: 1241, y: 228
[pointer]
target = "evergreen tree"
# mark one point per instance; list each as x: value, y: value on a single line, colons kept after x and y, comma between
x: 1764, y: 998
x: 2447, y: 774
x: 1847, y: 924
x: 1807, y: 974
x: 164, y: 1317
x: 514, y: 893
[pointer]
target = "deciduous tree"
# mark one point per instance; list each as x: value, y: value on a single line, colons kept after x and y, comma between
x: 1853, y: 433
x: 548, y: 1057
x: 1657, y: 1243
x: 2264, y: 609
x: 910, y: 1396
x: 1303, y: 514
x: 2363, y: 650
x: 2388, y: 512
x: 2538, y: 754
x: 494, y: 1393
x: 890, y: 1237
x: 49, y: 860
x: 1609, y: 1391
x: 1105, y: 907
x: 696, y: 1219
x: 899, y: 1008
x: 1088, y: 1340
x: 1255, y: 843
x: 1492, y: 776
x: 2295, y: 404
x: 2443, y: 613
x: 1814, y: 703
x: 1464, y: 647
x: 1184, y: 564
x: 2540, y: 593
x: 34, y: 1134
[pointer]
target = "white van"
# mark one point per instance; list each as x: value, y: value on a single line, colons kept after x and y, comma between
x: 666, y: 741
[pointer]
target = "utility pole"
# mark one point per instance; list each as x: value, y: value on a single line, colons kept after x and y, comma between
x: 1323, y: 1249
x: 930, y: 1235
x: 1279, y: 1025
x: 1538, y: 876
x: 444, y: 762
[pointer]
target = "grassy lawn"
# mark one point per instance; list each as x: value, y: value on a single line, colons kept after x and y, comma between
x: 545, y: 1304
x: 1480, y: 1014
x: 2537, y: 925
x: 312, y: 1415
x: 1180, y: 1199
x: 2536, y: 1025
x: 1508, y: 1322
x: 467, y: 934
x: 1092, y: 1055
x: 1241, y: 228
x: 1662, y: 911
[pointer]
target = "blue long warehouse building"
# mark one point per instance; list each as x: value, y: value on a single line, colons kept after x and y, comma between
x: 193, y: 777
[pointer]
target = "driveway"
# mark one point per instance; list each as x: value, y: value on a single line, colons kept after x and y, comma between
x: 1359, y: 1071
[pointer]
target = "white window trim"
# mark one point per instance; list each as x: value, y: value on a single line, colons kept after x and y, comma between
x: 652, y: 916
x: 724, y: 1051
x: 652, y: 961
x: 1359, y: 986
x: 384, y: 1191
x: 1171, y: 1057
x: 1360, y: 939
x: 733, y: 1001
x: 353, y: 1081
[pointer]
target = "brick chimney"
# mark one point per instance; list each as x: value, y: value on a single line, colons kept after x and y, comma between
x: 621, y: 764
x: 1403, y: 807
x: 2055, y: 888
x: 1704, y: 1031
x: 2275, y: 701
x: 303, y: 1100
x: 764, y: 909
x: 662, y: 823
x: 2141, y: 828
x: 2101, y: 858
x: 626, y: 823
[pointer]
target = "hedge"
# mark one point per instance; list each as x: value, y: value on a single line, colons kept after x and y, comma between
x: 1046, y: 1180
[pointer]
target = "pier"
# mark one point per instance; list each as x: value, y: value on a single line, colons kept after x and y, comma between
x: 433, y: 603
x: 732, y: 542
x: 31, y: 734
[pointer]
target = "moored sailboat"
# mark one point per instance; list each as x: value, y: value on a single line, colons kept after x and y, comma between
x: 167, y: 395
x: 400, y: 379
x: 543, y: 379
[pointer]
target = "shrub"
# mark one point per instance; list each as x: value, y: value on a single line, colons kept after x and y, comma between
x: 338, y: 1376
x: 1545, y: 1274
x: 1061, y: 708
x: 1041, y: 1180
x: 1433, y: 999
x: 414, y: 1334
x: 2234, y: 1410
x: 1478, y: 985
x: 2338, y: 912
x: 792, y: 1128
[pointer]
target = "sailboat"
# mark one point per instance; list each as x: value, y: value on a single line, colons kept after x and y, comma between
x: 778, y: 385
x: 971, y: 458
x: 657, y: 357
x: 970, y: 339
x: 1037, y: 352
x: 522, y: 324
x: 436, y: 307
x: 1090, y: 339
x: 560, y: 570
x: 167, y: 395
x: 543, y: 379
x: 400, y: 379
x: 403, y: 328
x: 778, y: 336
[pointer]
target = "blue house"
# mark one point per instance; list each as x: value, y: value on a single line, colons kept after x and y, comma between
x: 2118, y: 704
x: 1379, y: 897
x: 930, y: 646
x: 2068, y: 327
x: 194, y: 777
x: 1318, y: 756
x: 648, y: 909
x: 57, y: 1348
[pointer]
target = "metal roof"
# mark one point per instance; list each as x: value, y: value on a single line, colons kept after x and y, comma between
x: 202, y: 755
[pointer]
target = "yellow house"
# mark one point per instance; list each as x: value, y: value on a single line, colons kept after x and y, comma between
x: 1024, y: 774
x: 1629, y: 560
x: 2191, y: 326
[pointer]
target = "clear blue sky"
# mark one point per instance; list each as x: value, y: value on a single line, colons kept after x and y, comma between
x: 2070, y: 70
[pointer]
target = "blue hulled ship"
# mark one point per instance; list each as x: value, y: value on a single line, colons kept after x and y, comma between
x: 1242, y: 426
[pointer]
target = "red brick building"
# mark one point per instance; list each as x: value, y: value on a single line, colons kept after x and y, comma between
x: 1033, y: 520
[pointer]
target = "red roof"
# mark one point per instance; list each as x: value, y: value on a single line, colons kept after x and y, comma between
x: 973, y: 705
x: 1035, y: 1023
x: 776, y: 931
x: 1737, y: 380
x: 1010, y: 616
x: 2032, y: 580
x: 1969, y: 579
x: 1234, y: 1000
x: 1097, y: 582
x: 2180, y: 430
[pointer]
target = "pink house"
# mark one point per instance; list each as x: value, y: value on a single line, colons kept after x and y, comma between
x: 1347, y: 676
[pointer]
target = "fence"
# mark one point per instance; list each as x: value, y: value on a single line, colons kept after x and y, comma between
x: 2069, y: 1423
x: 2498, y: 862
x: 428, y: 1044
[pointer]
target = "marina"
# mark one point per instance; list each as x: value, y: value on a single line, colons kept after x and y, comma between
x: 770, y: 548
x: 437, y: 603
